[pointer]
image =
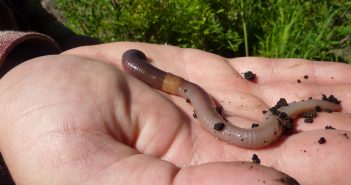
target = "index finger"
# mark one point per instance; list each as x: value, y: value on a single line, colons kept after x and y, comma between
x: 294, y: 70
x: 180, y: 61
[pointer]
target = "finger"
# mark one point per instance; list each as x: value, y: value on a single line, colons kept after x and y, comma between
x: 325, y: 121
x: 315, y: 162
x: 112, y: 52
x: 306, y: 158
x: 231, y: 173
x: 187, y: 63
x: 271, y: 93
x: 292, y: 70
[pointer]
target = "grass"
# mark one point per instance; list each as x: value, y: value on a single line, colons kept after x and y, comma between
x: 308, y: 32
x: 313, y: 29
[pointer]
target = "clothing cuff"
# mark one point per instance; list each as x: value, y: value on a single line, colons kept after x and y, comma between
x: 26, y: 45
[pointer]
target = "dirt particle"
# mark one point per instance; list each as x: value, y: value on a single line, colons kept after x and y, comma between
x: 319, y: 109
x: 288, y: 181
x: 309, y: 116
x: 283, y: 115
x: 288, y: 126
x: 322, y: 140
x: 194, y: 115
x: 255, y: 159
x: 254, y: 125
x: 219, y: 126
x: 274, y: 110
x: 331, y: 98
x: 219, y: 110
x: 334, y: 100
x: 188, y: 100
x: 249, y: 75
x: 329, y: 127
x: 282, y: 102
x: 185, y: 90
x: 345, y: 135
x: 298, y: 81
x: 264, y: 111
x: 308, y: 120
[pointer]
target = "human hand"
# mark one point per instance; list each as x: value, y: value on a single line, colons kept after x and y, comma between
x: 74, y: 120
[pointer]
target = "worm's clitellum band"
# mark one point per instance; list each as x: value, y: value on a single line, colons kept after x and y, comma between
x: 135, y: 63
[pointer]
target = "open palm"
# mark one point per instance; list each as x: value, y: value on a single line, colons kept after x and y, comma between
x: 75, y: 118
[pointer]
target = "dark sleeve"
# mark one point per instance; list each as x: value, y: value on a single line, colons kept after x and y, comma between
x: 17, y: 47
x: 5, y: 177
x: 32, y: 12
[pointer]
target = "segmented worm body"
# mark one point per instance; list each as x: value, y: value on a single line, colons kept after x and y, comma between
x: 135, y: 63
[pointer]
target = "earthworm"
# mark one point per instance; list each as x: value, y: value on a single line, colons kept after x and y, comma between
x: 135, y: 63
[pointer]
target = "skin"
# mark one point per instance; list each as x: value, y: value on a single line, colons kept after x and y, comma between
x: 75, y: 118
x: 135, y: 62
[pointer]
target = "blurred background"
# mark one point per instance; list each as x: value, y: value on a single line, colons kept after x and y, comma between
x: 311, y: 29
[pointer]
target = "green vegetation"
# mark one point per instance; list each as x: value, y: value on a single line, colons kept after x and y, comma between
x: 312, y: 29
